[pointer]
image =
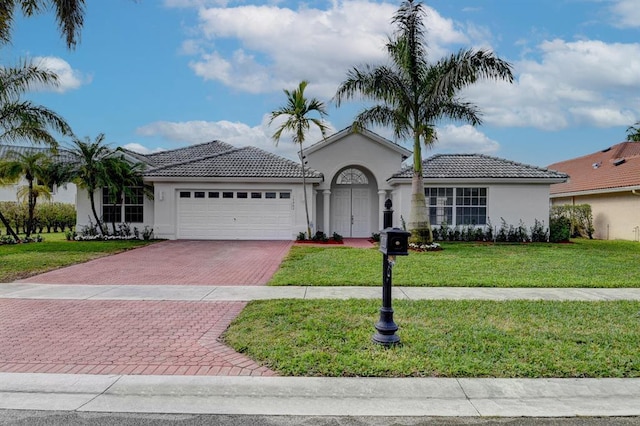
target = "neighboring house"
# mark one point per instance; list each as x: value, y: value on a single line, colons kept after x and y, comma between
x: 609, y: 181
x: 63, y: 194
x: 216, y: 191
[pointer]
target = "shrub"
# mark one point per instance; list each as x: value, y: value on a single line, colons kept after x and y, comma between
x: 559, y: 229
x: 538, y: 233
x: 375, y: 237
x: 579, y: 216
x: 336, y: 237
x: 302, y: 236
x: 320, y: 236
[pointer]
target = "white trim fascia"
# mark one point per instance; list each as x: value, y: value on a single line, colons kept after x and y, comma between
x: 341, y: 134
x: 478, y: 181
x: 229, y: 179
x: 595, y: 191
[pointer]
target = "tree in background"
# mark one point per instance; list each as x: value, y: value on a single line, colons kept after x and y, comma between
x: 31, y: 166
x: 633, y: 132
x: 297, y: 110
x: 414, y: 94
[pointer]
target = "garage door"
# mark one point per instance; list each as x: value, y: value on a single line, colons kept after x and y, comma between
x: 234, y: 215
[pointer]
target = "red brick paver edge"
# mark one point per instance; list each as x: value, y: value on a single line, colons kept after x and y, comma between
x: 120, y: 337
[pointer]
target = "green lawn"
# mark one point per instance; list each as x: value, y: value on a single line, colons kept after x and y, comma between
x: 24, y: 260
x: 443, y: 338
x: 583, y: 263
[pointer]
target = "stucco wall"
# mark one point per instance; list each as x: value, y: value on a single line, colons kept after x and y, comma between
x: 513, y: 202
x: 63, y: 194
x: 355, y: 149
x: 615, y: 215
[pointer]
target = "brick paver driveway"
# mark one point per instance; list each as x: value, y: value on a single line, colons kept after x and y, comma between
x: 179, y: 262
x: 134, y: 336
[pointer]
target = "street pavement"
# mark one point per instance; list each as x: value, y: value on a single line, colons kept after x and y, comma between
x: 312, y: 396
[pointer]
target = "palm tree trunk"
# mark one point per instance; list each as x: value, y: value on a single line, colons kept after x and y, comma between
x: 95, y: 214
x: 31, y: 207
x: 304, y: 190
x: 10, y: 230
x: 419, y: 224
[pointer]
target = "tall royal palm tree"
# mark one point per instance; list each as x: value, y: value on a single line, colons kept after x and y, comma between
x: 90, y: 159
x: 633, y: 132
x: 298, y: 110
x: 414, y: 94
x: 69, y: 16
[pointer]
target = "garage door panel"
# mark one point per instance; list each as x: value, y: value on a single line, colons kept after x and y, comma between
x: 234, y: 218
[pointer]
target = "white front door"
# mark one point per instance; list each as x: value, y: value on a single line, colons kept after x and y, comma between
x: 351, y: 213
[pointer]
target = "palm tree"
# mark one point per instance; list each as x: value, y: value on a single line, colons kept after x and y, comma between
x: 69, y: 15
x: 633, y: 132
x: 121, y: 177
x: 29, y: 165
x: 22, y: 120
x: 297, y: 110
x: 90, y: 160
x: 414, y: 94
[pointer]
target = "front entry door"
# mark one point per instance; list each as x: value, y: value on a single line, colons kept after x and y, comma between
x: 351, y: 212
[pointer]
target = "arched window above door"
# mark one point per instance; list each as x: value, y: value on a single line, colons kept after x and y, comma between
x: 352, y: 177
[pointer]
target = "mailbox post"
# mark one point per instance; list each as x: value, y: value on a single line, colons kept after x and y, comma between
x: 393, y: 242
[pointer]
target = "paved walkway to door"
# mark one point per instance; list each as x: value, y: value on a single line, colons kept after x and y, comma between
x: 178, y: 263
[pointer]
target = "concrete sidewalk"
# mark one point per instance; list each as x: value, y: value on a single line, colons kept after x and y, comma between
x: 312, y: 395
x: 247, y: 293
x: 322, y: 396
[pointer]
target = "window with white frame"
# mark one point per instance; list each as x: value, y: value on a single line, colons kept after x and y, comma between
x: 132, y: 210
x: 457, y: 206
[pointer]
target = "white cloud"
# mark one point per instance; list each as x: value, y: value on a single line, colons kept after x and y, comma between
x: 464, y: 139
x: 264, y: 48
x: 626, y: 13
x: 237, y: 134
x: 586, y: 82
x: 141, y: 149
x: 68, y: 78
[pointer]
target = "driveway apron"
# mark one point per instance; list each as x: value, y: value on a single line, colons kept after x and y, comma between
x: 178, y: 263
x: 133, y: 336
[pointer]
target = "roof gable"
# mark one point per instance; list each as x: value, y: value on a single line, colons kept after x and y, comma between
x: 612, y: 168
x: 374, y: 137
x: 477, y: 166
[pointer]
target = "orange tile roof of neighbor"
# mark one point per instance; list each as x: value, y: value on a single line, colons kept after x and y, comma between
x: 612, y: 168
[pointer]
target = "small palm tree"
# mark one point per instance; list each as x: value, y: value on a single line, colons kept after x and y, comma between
x: 29, y: 165
x: 297, y: 110
x: 121, y: 177
x: 633, y: 132
x: 90, y: 160
x: 414, y: 94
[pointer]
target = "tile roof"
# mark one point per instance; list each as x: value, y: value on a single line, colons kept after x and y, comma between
x: 62, y: 155
x: 477, y: 166
x: 614, y: 167
x: 248, y: 162
x: 187, y: 153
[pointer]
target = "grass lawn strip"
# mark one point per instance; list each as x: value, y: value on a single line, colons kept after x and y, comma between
x: 523, y: 339
x: 19, y: 261
x: 585, y: 263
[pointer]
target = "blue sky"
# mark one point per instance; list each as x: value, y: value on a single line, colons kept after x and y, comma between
x: 162, y: 74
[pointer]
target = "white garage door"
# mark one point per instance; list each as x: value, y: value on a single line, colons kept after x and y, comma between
x: 234, y: 215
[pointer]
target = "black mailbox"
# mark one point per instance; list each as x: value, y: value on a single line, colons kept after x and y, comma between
x: 394, y: 242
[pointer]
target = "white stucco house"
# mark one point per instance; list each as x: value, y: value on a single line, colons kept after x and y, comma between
x: 217, y: 191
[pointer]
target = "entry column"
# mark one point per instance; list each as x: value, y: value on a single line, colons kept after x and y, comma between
x: 326, y: 217
x: 382, y: 196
